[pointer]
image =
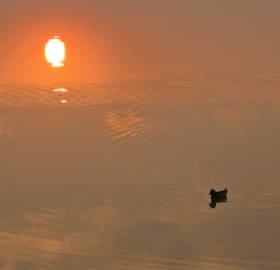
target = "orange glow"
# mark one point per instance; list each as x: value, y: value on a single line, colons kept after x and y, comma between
x: 62, y: 90
x: 55, y: 52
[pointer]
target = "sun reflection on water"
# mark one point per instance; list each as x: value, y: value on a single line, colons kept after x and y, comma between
x: 62, y: 90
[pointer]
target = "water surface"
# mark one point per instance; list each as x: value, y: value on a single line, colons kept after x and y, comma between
x: 114, y: 171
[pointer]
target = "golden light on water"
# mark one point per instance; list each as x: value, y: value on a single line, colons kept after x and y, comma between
x: 55, y: 52
x: 62, y: 90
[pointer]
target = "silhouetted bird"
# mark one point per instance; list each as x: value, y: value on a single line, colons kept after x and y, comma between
x: 218, y: 194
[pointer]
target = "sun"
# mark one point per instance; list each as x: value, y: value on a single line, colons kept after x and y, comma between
x: 55, y: 52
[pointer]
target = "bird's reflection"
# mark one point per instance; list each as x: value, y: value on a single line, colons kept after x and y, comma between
x: 215, y: 201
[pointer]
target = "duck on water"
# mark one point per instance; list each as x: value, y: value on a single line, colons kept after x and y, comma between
x: 218, y: 194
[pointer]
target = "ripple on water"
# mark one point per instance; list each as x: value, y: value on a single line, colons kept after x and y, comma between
x: 133, y: 109
x: 142, y: 204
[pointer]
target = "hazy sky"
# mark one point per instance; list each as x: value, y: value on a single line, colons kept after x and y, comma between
x: 150, y: 34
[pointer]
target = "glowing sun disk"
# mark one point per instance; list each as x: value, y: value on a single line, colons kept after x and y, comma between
x: 55, y: 52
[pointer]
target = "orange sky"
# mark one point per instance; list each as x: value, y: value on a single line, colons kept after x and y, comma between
x: 119, y: 38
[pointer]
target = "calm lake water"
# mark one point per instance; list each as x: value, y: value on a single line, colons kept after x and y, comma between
x: 106, y: 163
